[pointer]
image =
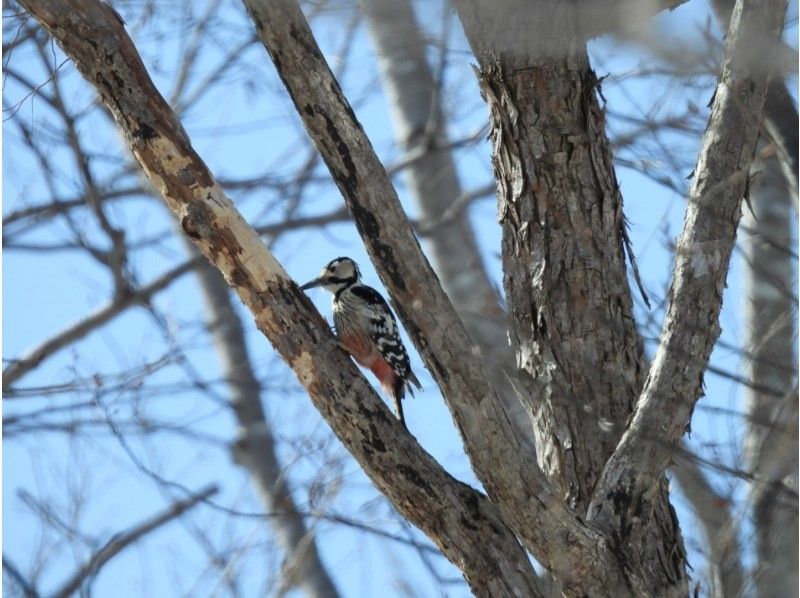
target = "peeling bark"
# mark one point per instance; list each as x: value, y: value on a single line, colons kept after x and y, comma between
x: 547, y: 527
x: 466, y: 526
x: 564, y: 246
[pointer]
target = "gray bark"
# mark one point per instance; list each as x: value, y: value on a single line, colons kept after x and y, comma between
x: 691, y: 326
x: 470, y: 530
x: 547, y: 526
x: 466, y: 526
x: 771, y: 313
x: 255, y: 445
x: 420, y: 128
x: 780, y: 112
x: 564, y: 261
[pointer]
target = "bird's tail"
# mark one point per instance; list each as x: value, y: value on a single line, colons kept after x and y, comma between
x: 398, y: 392
x: 411, y: 381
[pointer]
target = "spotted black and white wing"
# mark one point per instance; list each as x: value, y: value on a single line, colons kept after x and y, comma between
x: 384, y: 333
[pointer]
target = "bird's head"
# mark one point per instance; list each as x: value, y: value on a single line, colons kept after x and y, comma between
x: 338, y: 274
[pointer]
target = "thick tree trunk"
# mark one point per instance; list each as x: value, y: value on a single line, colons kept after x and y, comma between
x: 772, y: 416
x: 612, y: 554
x: 564, y: 265
x: 254, y: 448
x: 547, y: 526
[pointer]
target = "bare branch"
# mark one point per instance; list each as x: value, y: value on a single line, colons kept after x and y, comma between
x: 691, y: 327
x: 14, y: 574
x: 426, y: 311
x: 719, y: 527
x: 597, y: 18
x: 255, y: 447
x: 780, y: 112
x: 19, y: 367
x: 120, y: 542
x: 493, y: 562
x: 564, y: 268
x: 420, y: 127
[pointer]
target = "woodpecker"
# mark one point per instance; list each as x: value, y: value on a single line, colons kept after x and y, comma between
x: 366, y: 329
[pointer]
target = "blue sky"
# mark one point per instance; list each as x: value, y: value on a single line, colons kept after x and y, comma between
x: 44, y: 292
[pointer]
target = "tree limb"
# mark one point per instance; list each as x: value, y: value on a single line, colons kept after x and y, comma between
x: 17, y: 368
x: 420, y: 126
x: 691, y: 326
x: 719, y: 527
x: 465, y: 526
x: 547, y: 527
x: 780, y: 113
x: 14, y: 573
x: 564, y: 263
x: 255, y: 446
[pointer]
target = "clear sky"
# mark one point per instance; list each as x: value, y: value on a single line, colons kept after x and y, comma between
x: 248, y: 127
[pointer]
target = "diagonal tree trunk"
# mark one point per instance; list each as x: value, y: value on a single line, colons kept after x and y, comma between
x: 772, y: 313
x: 691, y: 325
x: 780, y: 112
x: 255, y: 446
x: 420, y: 128
x: 771, y: 347
x: 548, y: 527
x: 609, y: 555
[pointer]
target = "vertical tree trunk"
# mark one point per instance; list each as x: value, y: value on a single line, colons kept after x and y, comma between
x: 772, y: 432
x: 564, y: 260
x: 255, y: 446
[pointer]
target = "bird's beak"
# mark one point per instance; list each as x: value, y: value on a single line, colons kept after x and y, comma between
x: 311, y: 284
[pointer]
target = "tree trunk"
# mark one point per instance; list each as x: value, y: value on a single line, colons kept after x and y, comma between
x: 772, y: 415
x: 691, y: 325
x: 547, y: 526
x: 564, y: 267
x: 555, y: 182
x: 462, y: 522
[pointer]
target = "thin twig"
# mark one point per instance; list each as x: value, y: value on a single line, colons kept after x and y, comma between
x: 120, y: 542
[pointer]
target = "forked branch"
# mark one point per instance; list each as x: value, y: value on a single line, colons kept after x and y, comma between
x: 691, y: 326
